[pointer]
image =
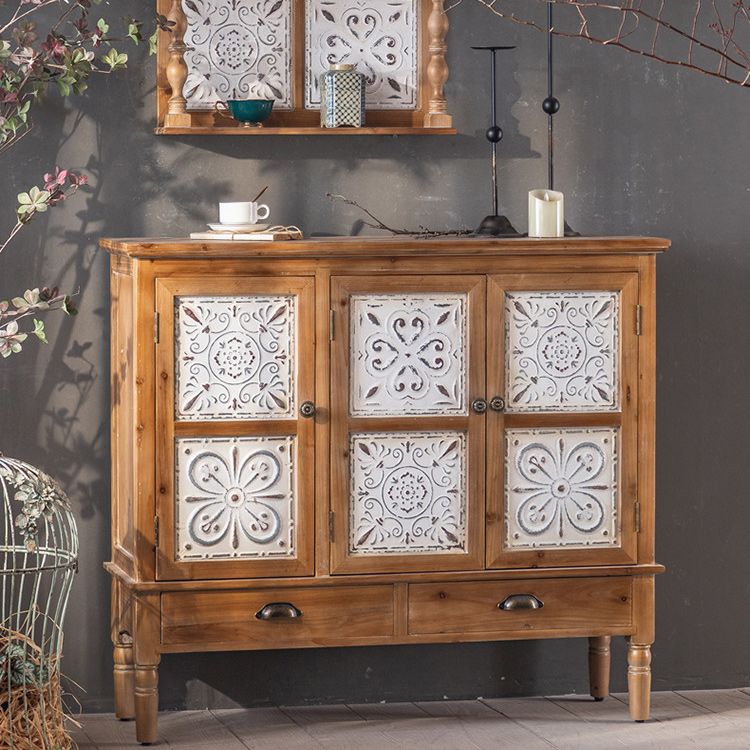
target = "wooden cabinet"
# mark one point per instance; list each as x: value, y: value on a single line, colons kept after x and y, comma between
x: 349, y: 442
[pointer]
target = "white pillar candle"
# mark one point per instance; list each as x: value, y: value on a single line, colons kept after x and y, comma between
x: 546, y: 213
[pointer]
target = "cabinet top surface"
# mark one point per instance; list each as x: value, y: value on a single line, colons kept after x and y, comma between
x: 347, y: 247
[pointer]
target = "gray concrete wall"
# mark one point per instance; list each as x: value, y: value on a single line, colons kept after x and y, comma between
x: 642, y: 149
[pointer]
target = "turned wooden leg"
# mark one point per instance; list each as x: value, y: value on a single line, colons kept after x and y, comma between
x: 599, y: 663
x: 124, y: 678
x: 639, y: 649
x: 146, y: 617
x: 146, y: 703
x: 639, y: 680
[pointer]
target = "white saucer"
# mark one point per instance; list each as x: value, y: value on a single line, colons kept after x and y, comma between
x: 238, y: 227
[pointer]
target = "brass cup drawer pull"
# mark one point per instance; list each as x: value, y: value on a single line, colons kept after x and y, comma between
x: 520, y: 601
x: 278, y: 610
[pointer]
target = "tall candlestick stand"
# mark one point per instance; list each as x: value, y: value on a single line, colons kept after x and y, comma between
x: 551, y: 106
x: 494, y: 224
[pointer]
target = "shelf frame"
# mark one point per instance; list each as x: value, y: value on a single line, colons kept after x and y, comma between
x: 431, y: 117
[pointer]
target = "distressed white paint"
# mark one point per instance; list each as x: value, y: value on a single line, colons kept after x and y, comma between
x: 235, y: 357
x: 408, y: 354
x: 562, y: 351
x: 380, y: 38
x: 408, y: 493
x: 238, y: 50
x: 235, y: 498
x: 561, y: 488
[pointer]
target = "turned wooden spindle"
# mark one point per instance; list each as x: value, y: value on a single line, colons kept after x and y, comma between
x: 437, y: 69
x: 146, y: 615
x: 177, y: 69
x: 599, y: 666
x: 639, y: 680
x: 124, y: 677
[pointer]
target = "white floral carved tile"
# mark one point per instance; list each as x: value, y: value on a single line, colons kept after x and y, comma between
x: 408, y: 354
x: 235, y: 357
x: 235, y: 498
x: 238, y: 49
x: 379, y: 37
x: 408, y: 493
x: 561, y: 488
x: 562, y: 351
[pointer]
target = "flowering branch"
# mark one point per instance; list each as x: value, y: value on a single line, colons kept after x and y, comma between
x: 74, y: 49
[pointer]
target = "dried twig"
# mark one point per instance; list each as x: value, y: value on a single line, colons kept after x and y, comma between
x: 719, y: 30
x: 376, y: 223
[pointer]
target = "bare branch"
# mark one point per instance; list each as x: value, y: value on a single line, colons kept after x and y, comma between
x: 662, y: 36
x: 376, y: 223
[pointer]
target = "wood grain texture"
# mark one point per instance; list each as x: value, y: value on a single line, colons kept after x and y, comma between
x: 167, y: 428
x: 389, y: 578
x: 394, y: 599
x: 573, y: 606
x: 429, y: 116
x: 600, y: 657
x: 342, y: 425
x: 331, y: 247
x: 147, y: 658
x: 328, y: 615
x: 626, y: 285
x: 382, y: 130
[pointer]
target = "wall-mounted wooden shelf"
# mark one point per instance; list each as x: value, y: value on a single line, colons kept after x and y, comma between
x: 304, y: 131
x: 417, y: 75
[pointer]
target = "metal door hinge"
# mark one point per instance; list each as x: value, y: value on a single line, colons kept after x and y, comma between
x: 638, y: 320
x: 156, y: 327
x: 331, y: 517
x: 156, y: 531
x: 331, y: 325
x: 637, y: 518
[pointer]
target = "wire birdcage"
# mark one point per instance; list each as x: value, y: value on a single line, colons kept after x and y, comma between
x: 38, y: 559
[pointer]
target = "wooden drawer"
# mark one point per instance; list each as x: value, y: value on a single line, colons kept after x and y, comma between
x: 330, y: 616
x: 587, y: 606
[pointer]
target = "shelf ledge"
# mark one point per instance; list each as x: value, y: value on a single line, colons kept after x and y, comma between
x: 304, y: 131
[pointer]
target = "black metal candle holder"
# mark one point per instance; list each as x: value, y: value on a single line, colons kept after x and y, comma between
x: 495, y: 225
x: 551, y: 106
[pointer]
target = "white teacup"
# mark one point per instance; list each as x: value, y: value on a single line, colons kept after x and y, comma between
x: 243, y: 212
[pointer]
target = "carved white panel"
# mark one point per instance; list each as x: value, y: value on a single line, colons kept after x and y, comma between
x: 562, y: 351
x: 408, y: 354
x: 235, y: 357
x: 408, y: 493
x: 379, y: 37
x: 238, y: 49
x: 235, y: 498
x: 561, y: 488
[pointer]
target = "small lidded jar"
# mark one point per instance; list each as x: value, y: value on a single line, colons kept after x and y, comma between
x: 342, y: 97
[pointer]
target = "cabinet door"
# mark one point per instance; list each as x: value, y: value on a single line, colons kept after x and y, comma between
x: 407, y: 449
x: 234, y: 460
x: 562, y: 437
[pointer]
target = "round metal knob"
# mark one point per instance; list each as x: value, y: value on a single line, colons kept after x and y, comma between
x: 307, y: 409
x: 479, y: 405
x: 497, y: 403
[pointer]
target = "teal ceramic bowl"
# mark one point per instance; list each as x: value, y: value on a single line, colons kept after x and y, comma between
x: 250, y: 112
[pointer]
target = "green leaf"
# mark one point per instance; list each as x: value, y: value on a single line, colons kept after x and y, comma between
x: 103, y: 27
x: 115, y: 59
x: 152, y: 42
x: 134, y: 30
x: 39, y: 331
